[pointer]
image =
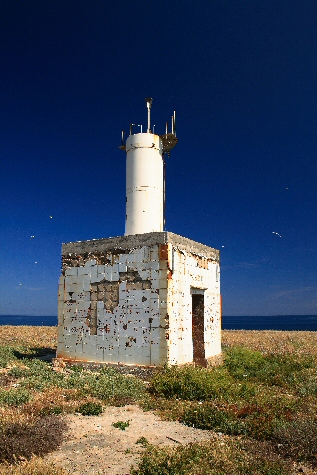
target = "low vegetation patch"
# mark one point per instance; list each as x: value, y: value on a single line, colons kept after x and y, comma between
x: 261, y: 404
x: 107, y: 384
x: 6, y: 355
x: 22, y: 440
x: 34, y: 466
x: 195, y: 383
x: 288, y: 371
x: 143, y: 441
x: 253, y: 394
x: 217, y: 457
x: 210, y: 417
x: 121, y: 424
x: 298, y: 438
x: 14, y: 397
x: 90, y: 409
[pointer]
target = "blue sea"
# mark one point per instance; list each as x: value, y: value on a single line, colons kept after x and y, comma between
x: 48, y: 321
x: 270, y: 322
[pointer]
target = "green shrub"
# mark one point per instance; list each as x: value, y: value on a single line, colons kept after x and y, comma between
x: 207, y: 416
x: 261, y: 425
x: 6, y: 355
x: 284, y: 370
x: 305, y: 383
x: 18, y: 372
x: 77, y: 368
x: 14, y: 397
x: 216, y: 457
x: 90, y: 409
x: 243, y: 363
x: 39, y: 375
x: 48, y: 411
x: 115, y: 387
x: 121, y: 424
x: 108, y: 385
x: 257, y: 420
x: 298, y: 438
x: 195, y: 383
x: 143, y: 441
x: 273, y: 369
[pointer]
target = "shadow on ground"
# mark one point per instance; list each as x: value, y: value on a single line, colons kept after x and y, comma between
x: 44, y: 354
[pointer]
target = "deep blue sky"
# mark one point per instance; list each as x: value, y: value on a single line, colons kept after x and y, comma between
x: 242, y: 76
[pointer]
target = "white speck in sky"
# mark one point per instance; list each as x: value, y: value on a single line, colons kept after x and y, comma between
x: 222, y: 246
x: 20, y: 283
x: 35, y: 262
x: 273, y: 232
x: 51, y: 217
x: 32, y: 237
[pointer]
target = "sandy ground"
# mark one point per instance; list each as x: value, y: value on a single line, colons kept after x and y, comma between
x: 93, y: 446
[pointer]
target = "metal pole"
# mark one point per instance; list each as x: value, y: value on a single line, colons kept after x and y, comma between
x: 149, y: 101
x: 148, y: 120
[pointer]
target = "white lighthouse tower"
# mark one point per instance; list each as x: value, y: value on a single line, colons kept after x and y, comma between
x: 149, y: 297
x: 145, y: 177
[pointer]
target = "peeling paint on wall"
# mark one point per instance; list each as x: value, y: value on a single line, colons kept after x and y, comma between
x: 132, y: 303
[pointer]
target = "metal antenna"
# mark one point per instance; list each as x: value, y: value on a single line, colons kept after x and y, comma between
x: 149, y: 101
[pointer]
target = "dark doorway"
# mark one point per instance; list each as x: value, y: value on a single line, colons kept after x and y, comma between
x: 198, y: 329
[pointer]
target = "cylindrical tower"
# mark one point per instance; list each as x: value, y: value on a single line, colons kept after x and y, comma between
x: 145, y: 177
x: 144, y: 184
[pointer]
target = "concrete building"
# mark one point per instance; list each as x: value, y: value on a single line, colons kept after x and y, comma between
x: 146, y: 298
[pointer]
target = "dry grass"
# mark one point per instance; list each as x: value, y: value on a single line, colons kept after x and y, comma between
x: 47, y: 401
x: 33, y: 337
x: 266, y: 341
x: 270, y: 341
x: 35, y: 466
x: 13, y: 415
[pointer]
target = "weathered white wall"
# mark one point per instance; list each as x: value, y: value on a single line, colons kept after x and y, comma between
x: 135, y: 307
x: 129, y: 332
x: 192, y: 271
